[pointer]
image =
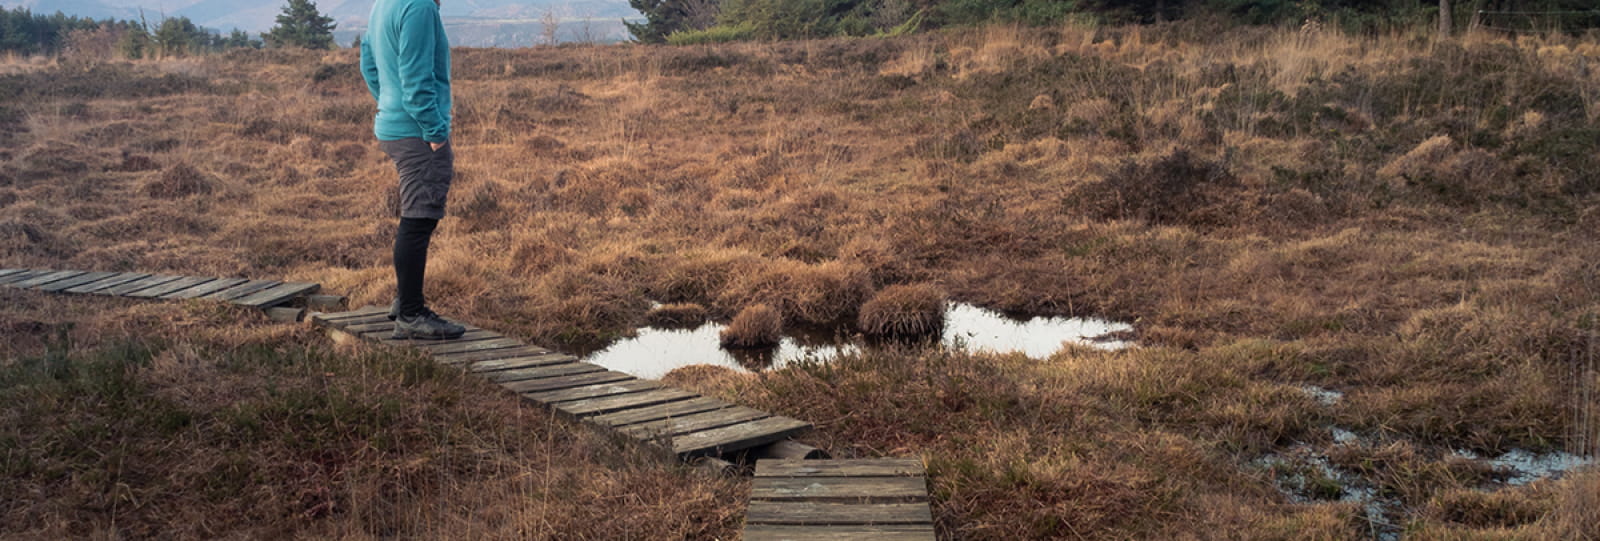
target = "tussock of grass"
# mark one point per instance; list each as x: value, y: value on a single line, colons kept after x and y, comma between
x: 756, y: 326
x: 904, y: 310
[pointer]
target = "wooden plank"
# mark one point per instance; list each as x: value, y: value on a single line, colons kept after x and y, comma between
x: 277, y: 294
x: 240, y: 290
x: 774, y: 532
x: 85, y: 278
x: 513, y: 363
x: 100, y: 285
x: 740, y: 436
x: 8, y: 272
x: 369, y: 319
x: 832, y: 513
x: 540, y: 389
x: 597, y: 406
x: 656, y: 413
x: 861, y: 467
x: 173, y: 286
x: 840, y: 489
x: 365, y: 311
x: 541, y: 372
x: 46, y: 278
x: 381, y: 330
x: 137, y: 285
x: 592, y: 391
x: 24, y: 275
x: 685, y: 424
x: 205, y: 288
x: 472, y: 335
x: 464, y: 357
x: 455, y: 346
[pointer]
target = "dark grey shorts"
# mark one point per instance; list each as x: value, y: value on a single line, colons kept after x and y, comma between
x: 425, y: 176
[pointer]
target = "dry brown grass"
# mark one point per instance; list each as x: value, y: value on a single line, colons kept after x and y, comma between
x: 1405, y: 220
x: 756, y: 326
x: 904, y: 310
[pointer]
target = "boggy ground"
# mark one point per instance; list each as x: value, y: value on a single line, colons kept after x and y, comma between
x: 1406, y: 221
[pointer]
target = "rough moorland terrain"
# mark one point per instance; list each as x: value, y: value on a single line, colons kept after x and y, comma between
x: 1406, y: 221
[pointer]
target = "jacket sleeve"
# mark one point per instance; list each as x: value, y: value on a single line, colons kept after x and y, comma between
x: 419, y: 37
x: 369, y: 67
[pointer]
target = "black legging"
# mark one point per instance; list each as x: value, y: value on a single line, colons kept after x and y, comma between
x: 411, y: 261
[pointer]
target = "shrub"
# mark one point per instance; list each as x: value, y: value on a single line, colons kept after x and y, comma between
x: 904, y: 310
x: 757, y: 326
x: 715, y: 34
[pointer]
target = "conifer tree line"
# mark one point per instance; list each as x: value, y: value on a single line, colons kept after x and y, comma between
x: 692, y: 21
x: 27, y: 33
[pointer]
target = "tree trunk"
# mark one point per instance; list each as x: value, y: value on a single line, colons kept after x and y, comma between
x: 1444, y: 18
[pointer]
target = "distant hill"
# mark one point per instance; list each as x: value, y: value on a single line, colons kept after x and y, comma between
x: 472, y: 23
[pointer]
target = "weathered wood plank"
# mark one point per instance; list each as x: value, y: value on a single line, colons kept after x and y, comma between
x: 381, y: 329
x: 332, y: 317
x: 24, y: 275
x: 472, y: 335
x: 454, y: 346
x: 831, y: 513
x: 685, y: 424
x: 541, y: 389
x: 841, y: 489
x: 277, y: 294
x: 541, y: 372
x: 8, y: 272
x: 204, y: 288
x: 101, y: 285
x: 463, y: 357
x: 861, y: 467
x: 774, y: 532
x: 369, y: 319
x: 596, y: 406
x: 173, y: 286
x: 85, y: 278
x: 741, y: 436
x: 513, y: 363
x: 240, y: 290
x: 593, y: 391
x: 656, y: 413
x: 137, y: 285
x: 46, y: 278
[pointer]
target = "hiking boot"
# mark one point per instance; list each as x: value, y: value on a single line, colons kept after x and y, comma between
x: 394, y: 310
x: 426, y: 326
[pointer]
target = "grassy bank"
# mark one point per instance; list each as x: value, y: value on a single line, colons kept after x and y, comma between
x: 1405, y: 221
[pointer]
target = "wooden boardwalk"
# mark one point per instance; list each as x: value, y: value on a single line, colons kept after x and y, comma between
x: 684, y: 423
x: 791, y: 499
x: 241, y: 291
x: 883, y: 499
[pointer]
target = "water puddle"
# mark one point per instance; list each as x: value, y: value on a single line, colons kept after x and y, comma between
x: 655, y: 351
x: 1305, y: 474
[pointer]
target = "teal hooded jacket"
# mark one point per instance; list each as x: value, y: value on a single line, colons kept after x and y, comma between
x: 405, y: 59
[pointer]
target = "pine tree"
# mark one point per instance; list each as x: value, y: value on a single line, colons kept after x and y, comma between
x: 301, y: 25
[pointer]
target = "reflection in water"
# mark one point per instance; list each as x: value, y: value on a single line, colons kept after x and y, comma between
x: 654, y: 352
x: 985, y: 330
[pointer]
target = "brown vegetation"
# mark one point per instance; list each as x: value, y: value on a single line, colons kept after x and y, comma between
x: 1408, y: 221
x: 757, y: 326
x: 904, y: 310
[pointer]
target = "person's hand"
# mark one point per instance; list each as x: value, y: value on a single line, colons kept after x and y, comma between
x: 437, y: 146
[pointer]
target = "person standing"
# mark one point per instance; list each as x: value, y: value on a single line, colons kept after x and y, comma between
x: 405, y: 59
